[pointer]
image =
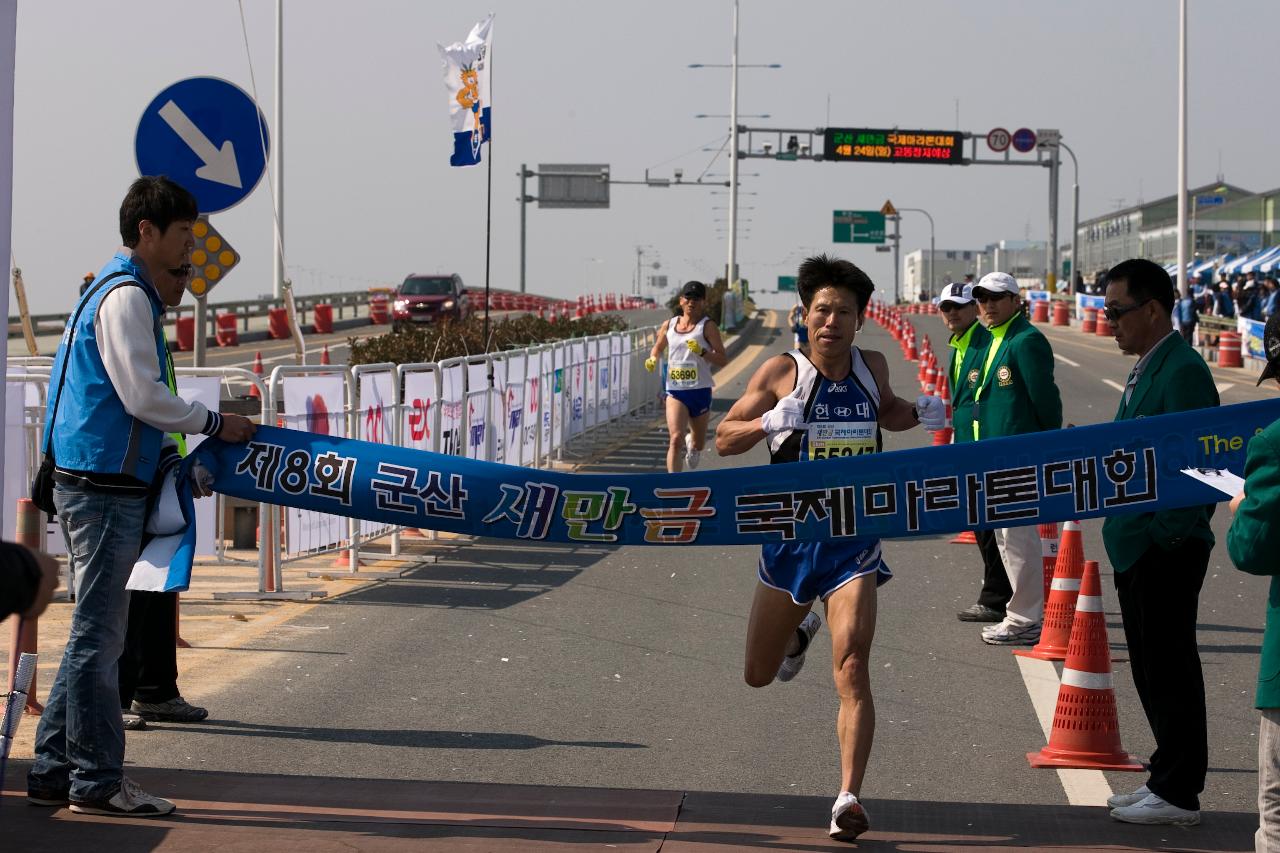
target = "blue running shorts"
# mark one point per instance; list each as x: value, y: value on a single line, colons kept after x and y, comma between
x: 812, y: 570
x: 696, y: 400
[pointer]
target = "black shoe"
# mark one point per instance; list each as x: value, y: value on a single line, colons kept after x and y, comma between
x: 980, y: 613
x: 55, y: 797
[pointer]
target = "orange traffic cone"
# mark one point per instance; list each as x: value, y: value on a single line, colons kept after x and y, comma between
x: 324, y: 355
x: 1060, y: 603
x: 258, y: 371
x: 1048, y: 554
x: 965, y: 537
x: 1086, y: 728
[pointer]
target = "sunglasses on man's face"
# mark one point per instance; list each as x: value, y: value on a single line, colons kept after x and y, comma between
x: 988, y: 296
x: 1114, y: 312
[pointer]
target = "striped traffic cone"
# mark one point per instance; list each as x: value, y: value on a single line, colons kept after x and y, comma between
x: 965, y: 537
x: 1059, y: 609
x: 1086, y: 728
x: 324, y: 355
x: 1048, y: 554
x: 258, y: 370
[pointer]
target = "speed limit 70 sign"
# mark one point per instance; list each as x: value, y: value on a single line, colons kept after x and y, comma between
x: 998, y: 139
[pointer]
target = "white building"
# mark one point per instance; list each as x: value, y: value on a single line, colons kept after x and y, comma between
x: 948, y: 265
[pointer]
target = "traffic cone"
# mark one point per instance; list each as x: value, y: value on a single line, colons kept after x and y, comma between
x: 1086, y: 728
x: 258, y: 371
x: 324, y: 355
x: 965, y: 537
x: 1059, y: 606
x: 1048, y: 554
x: 912, y: 354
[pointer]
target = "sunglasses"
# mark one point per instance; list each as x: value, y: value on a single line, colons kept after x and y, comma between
x: 949, y: 306
x: 988, y: 296
x: 1115, y: 312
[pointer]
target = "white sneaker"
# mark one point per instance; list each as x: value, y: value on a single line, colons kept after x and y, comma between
x: 848, y: 818
x: 1007, y: 634
x: 1154, y: 810
x: 691, y: 456
x: 128, y: 801
x: 791, y: 664
x: 1119, y: 801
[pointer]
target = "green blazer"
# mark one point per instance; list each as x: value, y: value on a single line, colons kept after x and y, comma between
x: 962, y: 388
x: 1253, y: 540
x: 1018, y: 394
x: 1175, y: 379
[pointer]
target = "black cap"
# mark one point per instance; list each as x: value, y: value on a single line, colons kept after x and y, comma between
x: 1271, y: 346
x: 694, y: 290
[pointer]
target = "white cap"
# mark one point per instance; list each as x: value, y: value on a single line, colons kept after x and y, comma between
x: 998, y: 282
x: 958, y: 292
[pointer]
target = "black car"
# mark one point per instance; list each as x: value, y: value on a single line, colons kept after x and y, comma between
x: 428, y: 298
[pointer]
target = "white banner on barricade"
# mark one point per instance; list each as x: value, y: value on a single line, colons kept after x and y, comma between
x: 577, y: 387
x: 206, y: 390
x: 616, y: 362
x: 497, y: 433
x: 559, y: 394
x: 532, y: 420
x: 478, y: 445
x: 453, y: 385
x: 377, y: 408
x: 419, y: 398
x: 314, y: 404
x: 591, y: 386
x: 513, y: 407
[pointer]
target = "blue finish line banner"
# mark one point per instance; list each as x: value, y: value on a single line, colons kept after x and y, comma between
x: 1082, y: 472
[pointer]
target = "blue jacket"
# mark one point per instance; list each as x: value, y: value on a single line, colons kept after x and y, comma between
x: 93, y: 433
x: 1185, y: 312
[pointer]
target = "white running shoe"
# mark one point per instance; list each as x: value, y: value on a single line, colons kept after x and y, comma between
x: 791, y: 664
x: 848, y: 818
x: 691, y: 456
x: 1119, y: 801
x: 1155, y: 810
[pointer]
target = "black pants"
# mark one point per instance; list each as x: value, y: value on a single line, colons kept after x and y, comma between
x: 149, y: 664
x: 1159, y: 596
x: 996, y: 590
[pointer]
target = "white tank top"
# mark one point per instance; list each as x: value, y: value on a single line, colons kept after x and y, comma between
x: 686, y: 371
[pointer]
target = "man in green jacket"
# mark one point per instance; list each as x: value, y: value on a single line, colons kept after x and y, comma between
x: 968, y: 344
x: 1159, y: 558
x: 1254, y: 544
x: 1014, y: 393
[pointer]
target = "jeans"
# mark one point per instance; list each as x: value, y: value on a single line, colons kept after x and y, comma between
x: 80, y: 739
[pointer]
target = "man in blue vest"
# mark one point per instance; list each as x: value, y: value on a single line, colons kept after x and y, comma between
x: 109, y: 410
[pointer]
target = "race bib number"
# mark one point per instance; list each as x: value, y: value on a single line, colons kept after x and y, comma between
x: 683, y: 377
x: 832, y: 440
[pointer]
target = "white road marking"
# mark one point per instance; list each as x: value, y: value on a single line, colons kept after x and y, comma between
x: 1223, y: 386
x: 1083, y: 787
x: 1065, y: 360
x: 1115, y: 385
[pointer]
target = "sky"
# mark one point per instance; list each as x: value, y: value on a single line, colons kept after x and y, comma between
x: 369, y: 196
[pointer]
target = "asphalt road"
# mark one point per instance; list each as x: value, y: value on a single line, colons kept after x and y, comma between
x: 566, y: 665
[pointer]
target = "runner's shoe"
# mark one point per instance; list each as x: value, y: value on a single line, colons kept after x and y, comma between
x: 691, y: 456
x: 848, y: 818
x: 791, y: 664
x: 128, y: 801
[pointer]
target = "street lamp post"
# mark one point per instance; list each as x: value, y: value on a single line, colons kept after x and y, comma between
x: 1181, y: 280
x: 931, y: 244
x: 1075, y: 216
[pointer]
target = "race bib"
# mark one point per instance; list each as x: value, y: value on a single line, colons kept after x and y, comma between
x: 683, y: 376
x: 831, y: 440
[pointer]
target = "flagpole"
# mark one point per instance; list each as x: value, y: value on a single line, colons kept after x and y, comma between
x: 488, y: 212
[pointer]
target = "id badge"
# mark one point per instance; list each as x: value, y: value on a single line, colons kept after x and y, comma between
x: 833, y: 440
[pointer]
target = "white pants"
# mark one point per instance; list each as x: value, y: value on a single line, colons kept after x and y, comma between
x: 1267, y: 839
x: 1024, y: 564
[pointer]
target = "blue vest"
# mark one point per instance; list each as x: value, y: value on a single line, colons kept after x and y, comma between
x: 93, y: 432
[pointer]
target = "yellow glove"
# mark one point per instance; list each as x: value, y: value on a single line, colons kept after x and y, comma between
x: 694, y: 348
x: 650, y: 364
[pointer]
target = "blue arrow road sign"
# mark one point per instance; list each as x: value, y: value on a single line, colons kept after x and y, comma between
x: 209, y: 136
x: 1024, y: 139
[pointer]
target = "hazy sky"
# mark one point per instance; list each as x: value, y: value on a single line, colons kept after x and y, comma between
x: 369, y: 194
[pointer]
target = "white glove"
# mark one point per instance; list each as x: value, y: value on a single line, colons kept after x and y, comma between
x: 932, y: 413
x: 787, y: 415
x: 201, y: 481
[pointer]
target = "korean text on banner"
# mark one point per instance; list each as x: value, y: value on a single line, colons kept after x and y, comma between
x: 466, y: 76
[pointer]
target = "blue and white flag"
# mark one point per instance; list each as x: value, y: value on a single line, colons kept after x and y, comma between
x: 466, y: 76
x: 166, y: 559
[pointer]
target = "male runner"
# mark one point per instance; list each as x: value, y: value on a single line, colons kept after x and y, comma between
x: 832, y: 402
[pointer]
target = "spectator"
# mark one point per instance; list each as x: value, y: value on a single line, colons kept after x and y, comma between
x: 105, y: 434
x: 1253, y: 541
x: 1186, y: 317
x: 1271, y: 300
x: 1159, y: 559
x: 88, y: 280
x: 1225, y: 306
x: 27, y: 580
x: 968, y: 343
x: 1014, y: 394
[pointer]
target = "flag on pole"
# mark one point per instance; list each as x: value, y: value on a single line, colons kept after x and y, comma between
x: 466, y: 76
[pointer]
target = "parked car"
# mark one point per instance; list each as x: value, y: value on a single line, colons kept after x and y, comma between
x: 429, y: 298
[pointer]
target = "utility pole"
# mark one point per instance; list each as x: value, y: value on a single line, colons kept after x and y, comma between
x: 1051, y: 279
x: 731, y: 272
x: 1181, y: 281
x: 525, y: 174
x: 932, y: 248
x: 897, y: 247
